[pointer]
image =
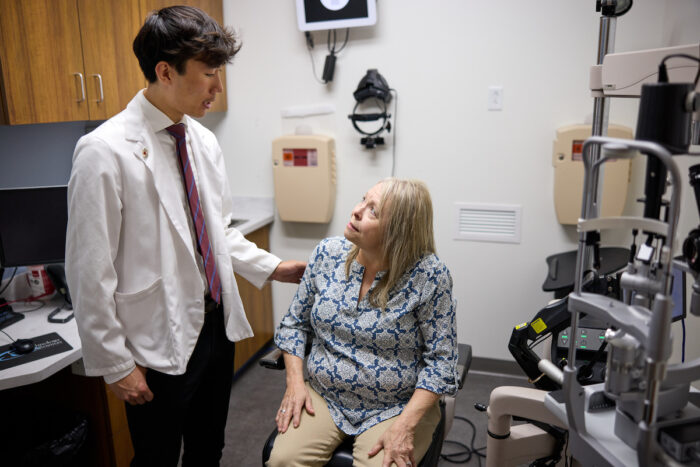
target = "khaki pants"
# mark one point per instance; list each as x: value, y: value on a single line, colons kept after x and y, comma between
x: 313, y: 442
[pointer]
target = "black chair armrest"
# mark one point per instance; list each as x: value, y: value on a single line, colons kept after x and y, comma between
x: 273, y: 360
x: 464, y: 361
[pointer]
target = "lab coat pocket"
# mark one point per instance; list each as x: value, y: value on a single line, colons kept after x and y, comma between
x: 144, y: 318
x: 126, y: 298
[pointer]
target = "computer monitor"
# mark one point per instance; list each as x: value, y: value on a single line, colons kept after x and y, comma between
x: 33, y: 225
x: 678, y: 293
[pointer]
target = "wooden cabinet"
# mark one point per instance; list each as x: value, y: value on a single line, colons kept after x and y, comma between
x: 118, y: 438
x: 112, y: 72
x: 40, y: 54
x: 68, y: 60
x: 65, y: 60
x: 215, y: 9
x: 258, y: 308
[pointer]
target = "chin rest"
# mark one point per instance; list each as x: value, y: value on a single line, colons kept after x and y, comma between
x: 342, y: 456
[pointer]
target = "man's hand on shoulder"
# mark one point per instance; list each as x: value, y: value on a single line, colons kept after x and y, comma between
x: 289, y: 271
x: 133, y: 388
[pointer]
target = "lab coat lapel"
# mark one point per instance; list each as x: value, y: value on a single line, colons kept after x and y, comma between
x: 139, y: 133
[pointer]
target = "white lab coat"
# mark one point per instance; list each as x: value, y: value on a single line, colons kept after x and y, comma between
x: 130, y: 265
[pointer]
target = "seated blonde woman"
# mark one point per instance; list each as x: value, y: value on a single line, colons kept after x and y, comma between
x: 377, y: 308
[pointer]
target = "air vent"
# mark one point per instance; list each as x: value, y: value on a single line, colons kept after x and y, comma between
x: 487, y: 222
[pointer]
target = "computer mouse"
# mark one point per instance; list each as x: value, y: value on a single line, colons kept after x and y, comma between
x: 22, y: 346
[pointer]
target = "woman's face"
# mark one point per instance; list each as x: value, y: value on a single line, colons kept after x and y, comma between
x: 364, y: 228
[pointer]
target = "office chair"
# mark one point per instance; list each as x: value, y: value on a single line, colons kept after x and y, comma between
x: 342, y: 456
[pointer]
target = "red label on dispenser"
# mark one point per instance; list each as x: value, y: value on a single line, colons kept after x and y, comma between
x: 300, y: 157
x: 577, y: 150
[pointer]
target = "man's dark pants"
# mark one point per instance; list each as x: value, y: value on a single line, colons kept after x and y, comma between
x: 191, y: 407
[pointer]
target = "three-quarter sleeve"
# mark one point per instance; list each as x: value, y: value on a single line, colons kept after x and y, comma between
x: 436, y: 319
x: 295, y: 327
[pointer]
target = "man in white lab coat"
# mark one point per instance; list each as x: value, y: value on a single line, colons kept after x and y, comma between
x: 150, y: 257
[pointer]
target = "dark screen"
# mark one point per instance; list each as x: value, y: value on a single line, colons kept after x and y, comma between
x: 315, y: 11
x: 33, y: 225
x: 678, y: 293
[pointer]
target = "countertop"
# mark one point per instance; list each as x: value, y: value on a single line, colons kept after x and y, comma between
x: 35, y: 324
x: 251, y: 213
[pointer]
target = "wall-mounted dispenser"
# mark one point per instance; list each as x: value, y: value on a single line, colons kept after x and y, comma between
x: 568, y: 174
x: 303, y: 168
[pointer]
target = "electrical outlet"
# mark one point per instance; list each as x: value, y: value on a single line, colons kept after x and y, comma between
x: 495, y: 97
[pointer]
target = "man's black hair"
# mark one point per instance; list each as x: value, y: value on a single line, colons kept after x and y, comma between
x: 179, y: 33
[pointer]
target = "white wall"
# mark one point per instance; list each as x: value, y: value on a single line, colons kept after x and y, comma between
x: 441, y: 56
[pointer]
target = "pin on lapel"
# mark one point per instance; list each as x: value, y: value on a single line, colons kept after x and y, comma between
x: 145, y: 153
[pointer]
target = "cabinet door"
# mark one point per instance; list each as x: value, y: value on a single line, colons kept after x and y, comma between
x: 258, y: 308
x: 215, y: 9
x: 41, y: 62
x: 112, y: 72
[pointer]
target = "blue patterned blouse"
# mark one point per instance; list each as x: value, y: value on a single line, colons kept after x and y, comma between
x: 365, y: 362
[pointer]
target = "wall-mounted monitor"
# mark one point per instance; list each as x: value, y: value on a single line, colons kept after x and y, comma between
x: 314, y: 15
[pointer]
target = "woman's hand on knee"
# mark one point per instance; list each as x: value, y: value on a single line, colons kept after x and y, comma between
x: 296, y: 398
x: 397, y: 443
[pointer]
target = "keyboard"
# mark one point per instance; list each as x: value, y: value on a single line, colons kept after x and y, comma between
x: 8, y: 317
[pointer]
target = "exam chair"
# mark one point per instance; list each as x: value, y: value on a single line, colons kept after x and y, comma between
x: 342, y: 456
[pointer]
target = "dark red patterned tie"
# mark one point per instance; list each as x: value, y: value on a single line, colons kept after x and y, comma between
x: 178, y: 131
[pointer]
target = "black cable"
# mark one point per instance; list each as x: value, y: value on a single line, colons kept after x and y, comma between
x: 41, y: 305
x: 9, y: 336
x: 345, y: 42
x: 309, y: 39
x: 329, y: 64
x: 393, y: 137
x: 683, y: 347
x: 689, y: 57
x: 9, y: 281
x: 467, y: 451
x: 332, y: 49
x: 309, y: 47
x: 451, y: 457
x: 328, y: 41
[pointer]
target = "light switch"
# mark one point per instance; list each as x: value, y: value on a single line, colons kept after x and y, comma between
x: 495, y: 98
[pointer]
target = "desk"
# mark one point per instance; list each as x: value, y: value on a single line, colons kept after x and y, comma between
x: 34, y: 324
x: 49, y: 382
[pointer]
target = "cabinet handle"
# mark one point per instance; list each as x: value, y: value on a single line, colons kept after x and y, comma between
x: 82, y: 85
x: 99, y: 81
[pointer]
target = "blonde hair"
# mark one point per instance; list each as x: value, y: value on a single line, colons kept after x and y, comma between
x: 406, y: 218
